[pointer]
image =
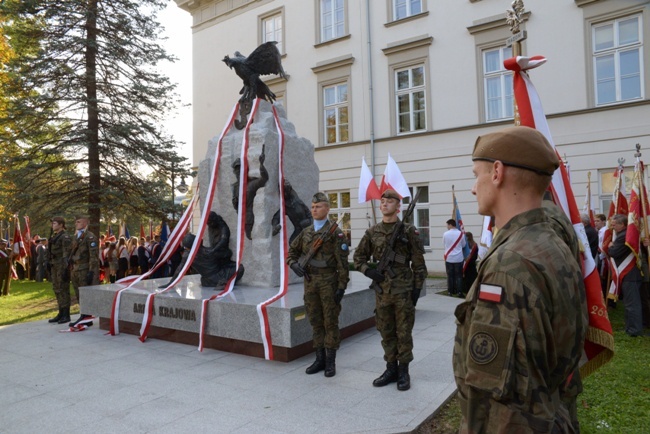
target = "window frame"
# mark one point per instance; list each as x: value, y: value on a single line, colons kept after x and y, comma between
x: 409, y: 13
x: 320, y: 29
x: 274, y: 14
x: 505, y: 103
x: 410, y: 91
x: 422, y: 204
x: 336, y: 106
x: 615, y: 51
x: 341, y: 211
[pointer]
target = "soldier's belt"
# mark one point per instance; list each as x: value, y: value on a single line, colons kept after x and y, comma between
x: 313, y: 270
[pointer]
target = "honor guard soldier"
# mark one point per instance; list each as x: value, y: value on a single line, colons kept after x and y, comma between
x: 84, y: 261
x: 397, y: 288
x: 320, y: 254
x: 58, y: 248
x: 5, y: 268
x: 521, y: 329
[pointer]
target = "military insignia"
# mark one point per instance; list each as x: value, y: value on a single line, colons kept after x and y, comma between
x: 344, y: 246
x: 341, y: 235
x: 483, y: 348
x: 491, y: 293
x: 93, y: 244
x: 417, y: 232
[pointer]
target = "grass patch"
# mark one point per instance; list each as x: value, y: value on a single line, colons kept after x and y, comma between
x: 30, y: 301
x: 616, y: 398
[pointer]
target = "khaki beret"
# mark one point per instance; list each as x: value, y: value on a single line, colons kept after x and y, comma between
x: 522, y: 147
x: 3, y: 241
x: 320, y: 197
x: 390, y: 194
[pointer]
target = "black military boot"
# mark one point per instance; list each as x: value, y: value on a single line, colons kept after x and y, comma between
x: 389, y: 375
x: 56, y: 318
x: 330, y: 362
x: 65, y: 316
x: 403, y: 377
x: 319, y: 363
x: 82, y: 317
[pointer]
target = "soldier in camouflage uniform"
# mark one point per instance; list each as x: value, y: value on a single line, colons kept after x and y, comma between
x: 520, y: 331
x: 58, y: 248
x: 395, y: 305
x: 326, y: 277
x: 5, y: 268
x: 84, y: 260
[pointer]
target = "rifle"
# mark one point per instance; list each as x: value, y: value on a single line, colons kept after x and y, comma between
x: 315, y: 247
x: 388, y: 257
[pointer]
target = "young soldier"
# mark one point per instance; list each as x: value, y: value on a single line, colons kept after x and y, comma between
x: 395, y: 304
x: 84, y: 260
x: 5, y: 268
x: 528, y: 297
x: 58, y: 248
x: 326, y: 278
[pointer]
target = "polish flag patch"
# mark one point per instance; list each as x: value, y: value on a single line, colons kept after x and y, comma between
x: 491, y: 293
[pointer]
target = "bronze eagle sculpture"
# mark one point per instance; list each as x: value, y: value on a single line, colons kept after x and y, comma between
x: 264, y: 60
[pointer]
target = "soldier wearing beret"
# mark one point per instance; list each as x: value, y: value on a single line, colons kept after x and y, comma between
x: 326, y: 278
x: 395, y: 305
x: 84, y: 260
x: 5, y: 268
x: 58, y: 248
x: 521, y: 329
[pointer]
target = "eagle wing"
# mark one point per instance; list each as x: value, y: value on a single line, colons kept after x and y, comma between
x: 266, y: 59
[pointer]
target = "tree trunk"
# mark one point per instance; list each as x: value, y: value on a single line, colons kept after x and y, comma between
x: 94, y: 176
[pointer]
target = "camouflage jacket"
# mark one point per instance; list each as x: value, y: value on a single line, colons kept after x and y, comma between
x: 58, y: 247
x: 519, y: 333
x: 84, y: 253
x: 333, y: 254
x: 410, y: 268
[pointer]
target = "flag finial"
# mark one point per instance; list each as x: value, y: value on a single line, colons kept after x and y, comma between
x: 637, y: 154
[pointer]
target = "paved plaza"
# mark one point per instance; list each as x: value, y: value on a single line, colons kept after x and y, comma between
x: 63, y: 382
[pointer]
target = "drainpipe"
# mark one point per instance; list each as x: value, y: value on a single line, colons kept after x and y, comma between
x: 372, y: 107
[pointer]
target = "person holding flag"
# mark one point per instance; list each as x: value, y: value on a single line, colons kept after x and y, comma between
x: 525, y: 299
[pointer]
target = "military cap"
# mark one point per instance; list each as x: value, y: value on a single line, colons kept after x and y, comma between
x: 82, y: 217
x: 3, y: 241
x: 59, y: 220
x: 390, y: 194
x: 521, y: 147
x: 320, y: 197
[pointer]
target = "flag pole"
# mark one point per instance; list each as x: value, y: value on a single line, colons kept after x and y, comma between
x: 644, y: 200
x: 453, y: 202
x: 514, y: 18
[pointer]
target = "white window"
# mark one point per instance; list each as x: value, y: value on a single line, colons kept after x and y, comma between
x: 420, y: 217
x: 406, y: 8
x: 332, y: 19
x: 497, y: 84
x: 272, y: 30
x: 340, y: 210
x: 410, y: 99
x: 335, y: 111
x: 618, y: 60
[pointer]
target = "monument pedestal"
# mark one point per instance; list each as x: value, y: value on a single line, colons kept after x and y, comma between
x: 232, y: 323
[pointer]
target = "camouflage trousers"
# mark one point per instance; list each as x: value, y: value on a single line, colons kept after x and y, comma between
x: 78, y: 278
x: 60, y: 287
x: 323, y: 311
x: 395, y: 316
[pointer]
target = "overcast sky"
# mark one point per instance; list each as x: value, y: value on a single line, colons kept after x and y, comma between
x: 177, y: 23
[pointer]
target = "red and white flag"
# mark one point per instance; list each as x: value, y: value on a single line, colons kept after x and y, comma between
x: 367, y: 186
x: 18, y: 246
x: 599, y: 340
x: 393, y: 179
x: 618, y: 205
x: 486, y: 236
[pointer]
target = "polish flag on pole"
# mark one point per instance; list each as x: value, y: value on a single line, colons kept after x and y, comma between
x: 367, y: 186
x: 18, y: 246
x: 599, y: 340
x: 393, y: 179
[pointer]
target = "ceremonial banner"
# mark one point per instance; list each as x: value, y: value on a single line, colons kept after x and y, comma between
x: 18, y: 244
x: 486, y: 236
x: 455, y: 214
x: 617, y: 206
x: 599, y: 341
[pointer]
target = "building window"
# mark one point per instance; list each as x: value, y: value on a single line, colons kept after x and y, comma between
x: 335, y: 111
x: 272, y: 30
x: 618, y: 60
x: 340, y: 211
x: 406, y: 8
x: 332, y: 19
x: 497, y: 84
x: 608, y: 184
x: 410, y: 99
x: 420, y: 217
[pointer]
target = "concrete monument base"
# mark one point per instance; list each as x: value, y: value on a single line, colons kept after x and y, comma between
x: 232, y: 323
